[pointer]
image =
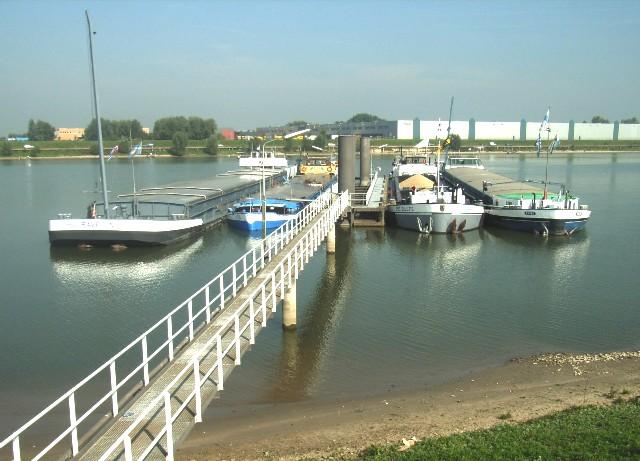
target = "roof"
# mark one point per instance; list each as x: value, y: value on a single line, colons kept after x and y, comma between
x: 191, y: 192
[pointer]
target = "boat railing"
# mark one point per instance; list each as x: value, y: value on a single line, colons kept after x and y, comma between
x: 132, y: 368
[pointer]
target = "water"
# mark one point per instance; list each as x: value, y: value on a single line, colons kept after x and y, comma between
x: 392, y: 310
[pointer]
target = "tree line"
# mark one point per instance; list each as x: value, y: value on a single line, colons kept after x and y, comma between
x: 195, y: 128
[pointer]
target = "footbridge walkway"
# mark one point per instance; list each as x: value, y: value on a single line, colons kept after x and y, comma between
x: 153, y: 391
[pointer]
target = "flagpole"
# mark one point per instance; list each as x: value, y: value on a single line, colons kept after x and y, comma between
x: 133, y: 174
x: 132, y: 154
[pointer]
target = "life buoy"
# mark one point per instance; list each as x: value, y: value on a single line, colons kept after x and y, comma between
x: 330, y: 169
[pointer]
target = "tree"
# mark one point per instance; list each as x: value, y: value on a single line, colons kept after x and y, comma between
x: 180, y: 141
x: 630, y: 120
x: 456, y: 142
x: 288, y: 145
x: 599, y: 119
x: 297, y: 124
x: 212, y: 145
x: 363, y: 117
x: 114, y: 129
x: 321, y: 140
x: 40, y: 131
x: 193, y: 127
x: 94, y: 148
x: 5, y: 149
x: 306, y: 145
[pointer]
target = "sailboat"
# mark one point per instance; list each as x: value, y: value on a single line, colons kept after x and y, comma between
x: 429, y: 206
x: 121, y: 223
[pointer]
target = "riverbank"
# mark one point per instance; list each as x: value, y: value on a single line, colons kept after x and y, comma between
x: 517, y: 391
x: 390, y: 153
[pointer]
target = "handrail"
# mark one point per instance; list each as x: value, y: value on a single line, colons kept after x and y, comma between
x: 248, y: 263
x: 163, y: 398
x: 363, y: 198
x: 372, y: 185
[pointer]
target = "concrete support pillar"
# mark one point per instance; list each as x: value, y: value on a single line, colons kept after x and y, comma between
x: 289, y: 307
x: 365, y: 161
x: 346, y: 163
x: 331, y: 240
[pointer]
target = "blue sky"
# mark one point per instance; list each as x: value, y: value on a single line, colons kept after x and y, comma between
x: 258, y: 63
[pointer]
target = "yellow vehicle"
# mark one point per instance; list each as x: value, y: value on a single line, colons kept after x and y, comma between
x: 318, y: 165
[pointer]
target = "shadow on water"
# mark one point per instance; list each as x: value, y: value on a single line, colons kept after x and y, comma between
x: 303, y: 349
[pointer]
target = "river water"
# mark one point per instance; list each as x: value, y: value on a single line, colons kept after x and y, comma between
x: 391, y: 310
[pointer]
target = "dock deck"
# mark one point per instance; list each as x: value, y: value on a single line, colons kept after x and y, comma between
x: 207, y: 198
x: 485, y: 185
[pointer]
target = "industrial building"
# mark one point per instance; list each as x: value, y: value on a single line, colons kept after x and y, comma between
x: 467, y: 130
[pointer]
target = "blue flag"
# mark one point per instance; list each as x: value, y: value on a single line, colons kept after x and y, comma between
x: 137, y: 150
x: 113, y: 152
x: 538, y: 144
x: 554, y: 144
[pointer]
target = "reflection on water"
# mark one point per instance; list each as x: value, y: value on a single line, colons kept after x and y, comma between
x: 305, y: 350
x: 133, y: 265
x: 391, y: 308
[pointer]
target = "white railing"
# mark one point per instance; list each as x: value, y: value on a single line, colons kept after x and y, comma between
x: 372, y: 185
x: 218, y: 292
x: 363, y: 198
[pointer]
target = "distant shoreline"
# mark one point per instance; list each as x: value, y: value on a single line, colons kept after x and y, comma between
x: 391, y: 153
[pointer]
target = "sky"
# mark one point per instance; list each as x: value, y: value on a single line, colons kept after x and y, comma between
x: 249, y: 64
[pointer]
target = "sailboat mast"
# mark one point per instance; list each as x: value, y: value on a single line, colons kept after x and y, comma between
x: 103, y: 175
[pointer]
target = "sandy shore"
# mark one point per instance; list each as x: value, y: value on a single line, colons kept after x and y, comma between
x: 519, y: 390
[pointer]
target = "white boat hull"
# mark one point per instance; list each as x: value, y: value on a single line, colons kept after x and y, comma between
x: 121, y: 231
x: 257, y: 162
x: 439, y: 218
x: 253, y: 221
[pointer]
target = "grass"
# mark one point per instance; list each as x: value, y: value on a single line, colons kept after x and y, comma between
x: 231, y: 147
x: 580, y: 433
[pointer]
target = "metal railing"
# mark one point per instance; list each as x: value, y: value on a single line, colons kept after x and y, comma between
x: 214, y: 295
x: 363, y: 198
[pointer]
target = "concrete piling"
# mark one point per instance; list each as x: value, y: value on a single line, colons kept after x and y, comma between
x: 346, y: 163
x: 331, y: 240
x: 289, y: 307
x: 365, y: 161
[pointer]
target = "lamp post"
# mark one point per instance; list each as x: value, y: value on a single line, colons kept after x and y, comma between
x: 264, y: 186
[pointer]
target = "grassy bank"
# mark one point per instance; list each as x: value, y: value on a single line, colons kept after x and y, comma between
x: 593, y: 432
x: 390, y: 146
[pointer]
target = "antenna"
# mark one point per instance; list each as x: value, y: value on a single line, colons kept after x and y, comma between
x: 450, y: 112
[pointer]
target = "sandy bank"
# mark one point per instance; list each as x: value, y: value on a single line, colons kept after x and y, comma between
x: 519, y: 390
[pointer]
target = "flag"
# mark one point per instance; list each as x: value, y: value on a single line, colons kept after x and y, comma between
x: 137, y: 150
x: 545, y: 122
x: 113, y: 152
x: 538, y: 144
x: 555, y: 143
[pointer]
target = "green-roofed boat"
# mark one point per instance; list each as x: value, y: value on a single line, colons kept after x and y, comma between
x: 519, y: 205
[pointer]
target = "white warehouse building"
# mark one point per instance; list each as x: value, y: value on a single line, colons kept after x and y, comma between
x: 514, y: 131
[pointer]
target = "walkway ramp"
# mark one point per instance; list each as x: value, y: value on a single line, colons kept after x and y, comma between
x: 368, y: 207
x: 185, y: 358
